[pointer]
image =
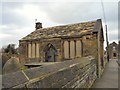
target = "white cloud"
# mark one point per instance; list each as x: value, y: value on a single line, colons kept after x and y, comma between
x: 19, y: 17
x: 30, y: 11
x: 60, y: 0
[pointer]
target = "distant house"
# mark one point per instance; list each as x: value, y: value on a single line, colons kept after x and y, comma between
x: 113, y: 50
x: 64, y: 42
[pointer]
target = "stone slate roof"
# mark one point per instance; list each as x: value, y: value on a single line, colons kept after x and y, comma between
x: 62, y: 31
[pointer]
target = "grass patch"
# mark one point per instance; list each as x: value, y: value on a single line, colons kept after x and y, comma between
x: 24, y: 68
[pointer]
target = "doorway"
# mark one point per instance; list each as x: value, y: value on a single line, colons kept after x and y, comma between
x: 50, y: 53
x: 114, y: 55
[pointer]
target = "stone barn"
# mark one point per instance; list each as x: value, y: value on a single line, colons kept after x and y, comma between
x: 65, y: 42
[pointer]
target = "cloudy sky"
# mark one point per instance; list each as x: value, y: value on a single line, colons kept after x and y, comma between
x: 18, y: 18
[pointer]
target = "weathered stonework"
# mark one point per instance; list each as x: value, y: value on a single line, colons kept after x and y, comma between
x: 60, y: 43
x: 79, y: 73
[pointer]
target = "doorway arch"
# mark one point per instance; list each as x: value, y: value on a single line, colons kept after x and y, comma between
x: 50, y: 53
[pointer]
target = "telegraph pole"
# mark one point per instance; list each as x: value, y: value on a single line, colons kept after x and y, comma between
x: 107, y: 44
x: 107, y: 49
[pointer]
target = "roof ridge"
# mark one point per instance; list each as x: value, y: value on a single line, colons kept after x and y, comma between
x: 69, y: 24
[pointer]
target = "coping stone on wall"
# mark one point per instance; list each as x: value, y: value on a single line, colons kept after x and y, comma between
x: 38, y: 73
x: 13, y: 79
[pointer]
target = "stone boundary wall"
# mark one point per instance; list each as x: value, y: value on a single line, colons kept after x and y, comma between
x: 80, y: 73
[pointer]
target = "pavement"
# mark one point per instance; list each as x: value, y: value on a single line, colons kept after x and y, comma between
x: 0, y: 66
x: 0, y: 82
x: 109, y: 78
x: 0, y: 74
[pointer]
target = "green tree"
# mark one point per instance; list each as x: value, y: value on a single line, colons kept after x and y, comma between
x: 10, y: 49
x: 8, y: 52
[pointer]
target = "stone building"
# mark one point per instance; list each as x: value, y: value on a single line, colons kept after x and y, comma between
x: 113, y: 50
x: 66, y: 42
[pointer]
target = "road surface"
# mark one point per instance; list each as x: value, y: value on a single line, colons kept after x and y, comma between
x: 109, y: 78
x: 0, y: 74
x: 0, y: 82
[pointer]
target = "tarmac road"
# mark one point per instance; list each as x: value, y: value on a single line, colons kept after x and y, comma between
x: 109, y: 78
x: 0, y: 74
x: 0, y: 82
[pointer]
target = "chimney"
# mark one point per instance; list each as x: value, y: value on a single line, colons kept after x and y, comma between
x: 38, y: 25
